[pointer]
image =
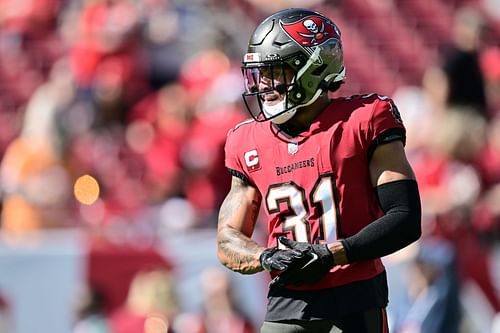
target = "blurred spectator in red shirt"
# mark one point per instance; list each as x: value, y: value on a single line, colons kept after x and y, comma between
x: 213, y: 86
x: 157, y: 129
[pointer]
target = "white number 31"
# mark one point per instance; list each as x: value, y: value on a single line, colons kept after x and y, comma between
x: 298, y: 207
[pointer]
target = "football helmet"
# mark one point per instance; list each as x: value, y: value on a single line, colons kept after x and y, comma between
x: 293, y: 57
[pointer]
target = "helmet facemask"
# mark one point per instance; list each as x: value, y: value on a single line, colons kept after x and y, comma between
x: 271, y: 92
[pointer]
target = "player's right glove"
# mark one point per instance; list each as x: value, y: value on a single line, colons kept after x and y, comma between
x: 319, y: 262
x: 274, y: 259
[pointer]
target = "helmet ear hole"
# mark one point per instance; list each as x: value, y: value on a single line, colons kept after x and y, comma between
x: 297, y: 94
x: 298, y: 61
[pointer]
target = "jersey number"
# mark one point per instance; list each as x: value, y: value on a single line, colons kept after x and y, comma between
x: 322, y: 197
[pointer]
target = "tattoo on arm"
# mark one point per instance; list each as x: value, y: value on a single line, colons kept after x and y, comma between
x: 254, y: 210
x: 237, y: 217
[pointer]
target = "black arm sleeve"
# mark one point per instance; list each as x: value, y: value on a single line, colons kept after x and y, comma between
x: 399, y: 227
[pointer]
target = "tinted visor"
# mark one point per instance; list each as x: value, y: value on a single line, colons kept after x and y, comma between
x: 266, y: 83
x: 263, y: 77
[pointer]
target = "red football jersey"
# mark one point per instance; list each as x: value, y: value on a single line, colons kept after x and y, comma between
x: 316, y: 187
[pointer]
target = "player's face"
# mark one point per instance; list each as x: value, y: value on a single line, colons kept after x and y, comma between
x: 271, y: 82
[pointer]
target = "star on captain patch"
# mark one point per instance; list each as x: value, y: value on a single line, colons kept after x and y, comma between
x: 293, y: 148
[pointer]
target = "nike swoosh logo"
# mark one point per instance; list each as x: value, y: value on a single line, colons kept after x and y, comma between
x: 313, y: 259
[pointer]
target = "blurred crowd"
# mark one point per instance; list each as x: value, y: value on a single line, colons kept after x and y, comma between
x: 139, y: 95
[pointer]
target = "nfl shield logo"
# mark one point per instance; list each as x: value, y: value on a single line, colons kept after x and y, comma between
x: 293, y: 148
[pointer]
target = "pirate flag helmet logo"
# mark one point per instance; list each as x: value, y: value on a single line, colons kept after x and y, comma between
x: 311, y: 31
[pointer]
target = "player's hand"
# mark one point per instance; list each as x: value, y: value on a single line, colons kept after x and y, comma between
x: 319, y: 263
x: 274, y: 259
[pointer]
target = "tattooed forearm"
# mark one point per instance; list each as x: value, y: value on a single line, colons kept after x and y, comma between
x: 237, y: 216
x: 238, y: 252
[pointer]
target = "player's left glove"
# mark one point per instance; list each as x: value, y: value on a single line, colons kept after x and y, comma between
x: 319, y: 263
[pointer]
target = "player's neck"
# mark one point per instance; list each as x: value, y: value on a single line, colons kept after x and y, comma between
x: 305, y: 117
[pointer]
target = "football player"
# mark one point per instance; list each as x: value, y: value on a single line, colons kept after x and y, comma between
x: 331, y: 175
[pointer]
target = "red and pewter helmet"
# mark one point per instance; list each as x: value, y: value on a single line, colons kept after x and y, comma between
x: 298, y: 54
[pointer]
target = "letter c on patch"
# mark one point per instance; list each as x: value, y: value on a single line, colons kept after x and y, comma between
x: 252, y: 160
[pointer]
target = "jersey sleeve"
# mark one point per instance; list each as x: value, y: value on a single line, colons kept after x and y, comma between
x: 385, y: 125
x: 232, y: 161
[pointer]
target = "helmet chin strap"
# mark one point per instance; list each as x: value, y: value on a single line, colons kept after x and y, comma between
x: 269, y: 111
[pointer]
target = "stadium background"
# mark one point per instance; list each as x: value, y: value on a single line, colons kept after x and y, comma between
x: 113, y: 118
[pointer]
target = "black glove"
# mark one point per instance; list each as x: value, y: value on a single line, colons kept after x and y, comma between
x: 274, y: 259
x: 320, y: 261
